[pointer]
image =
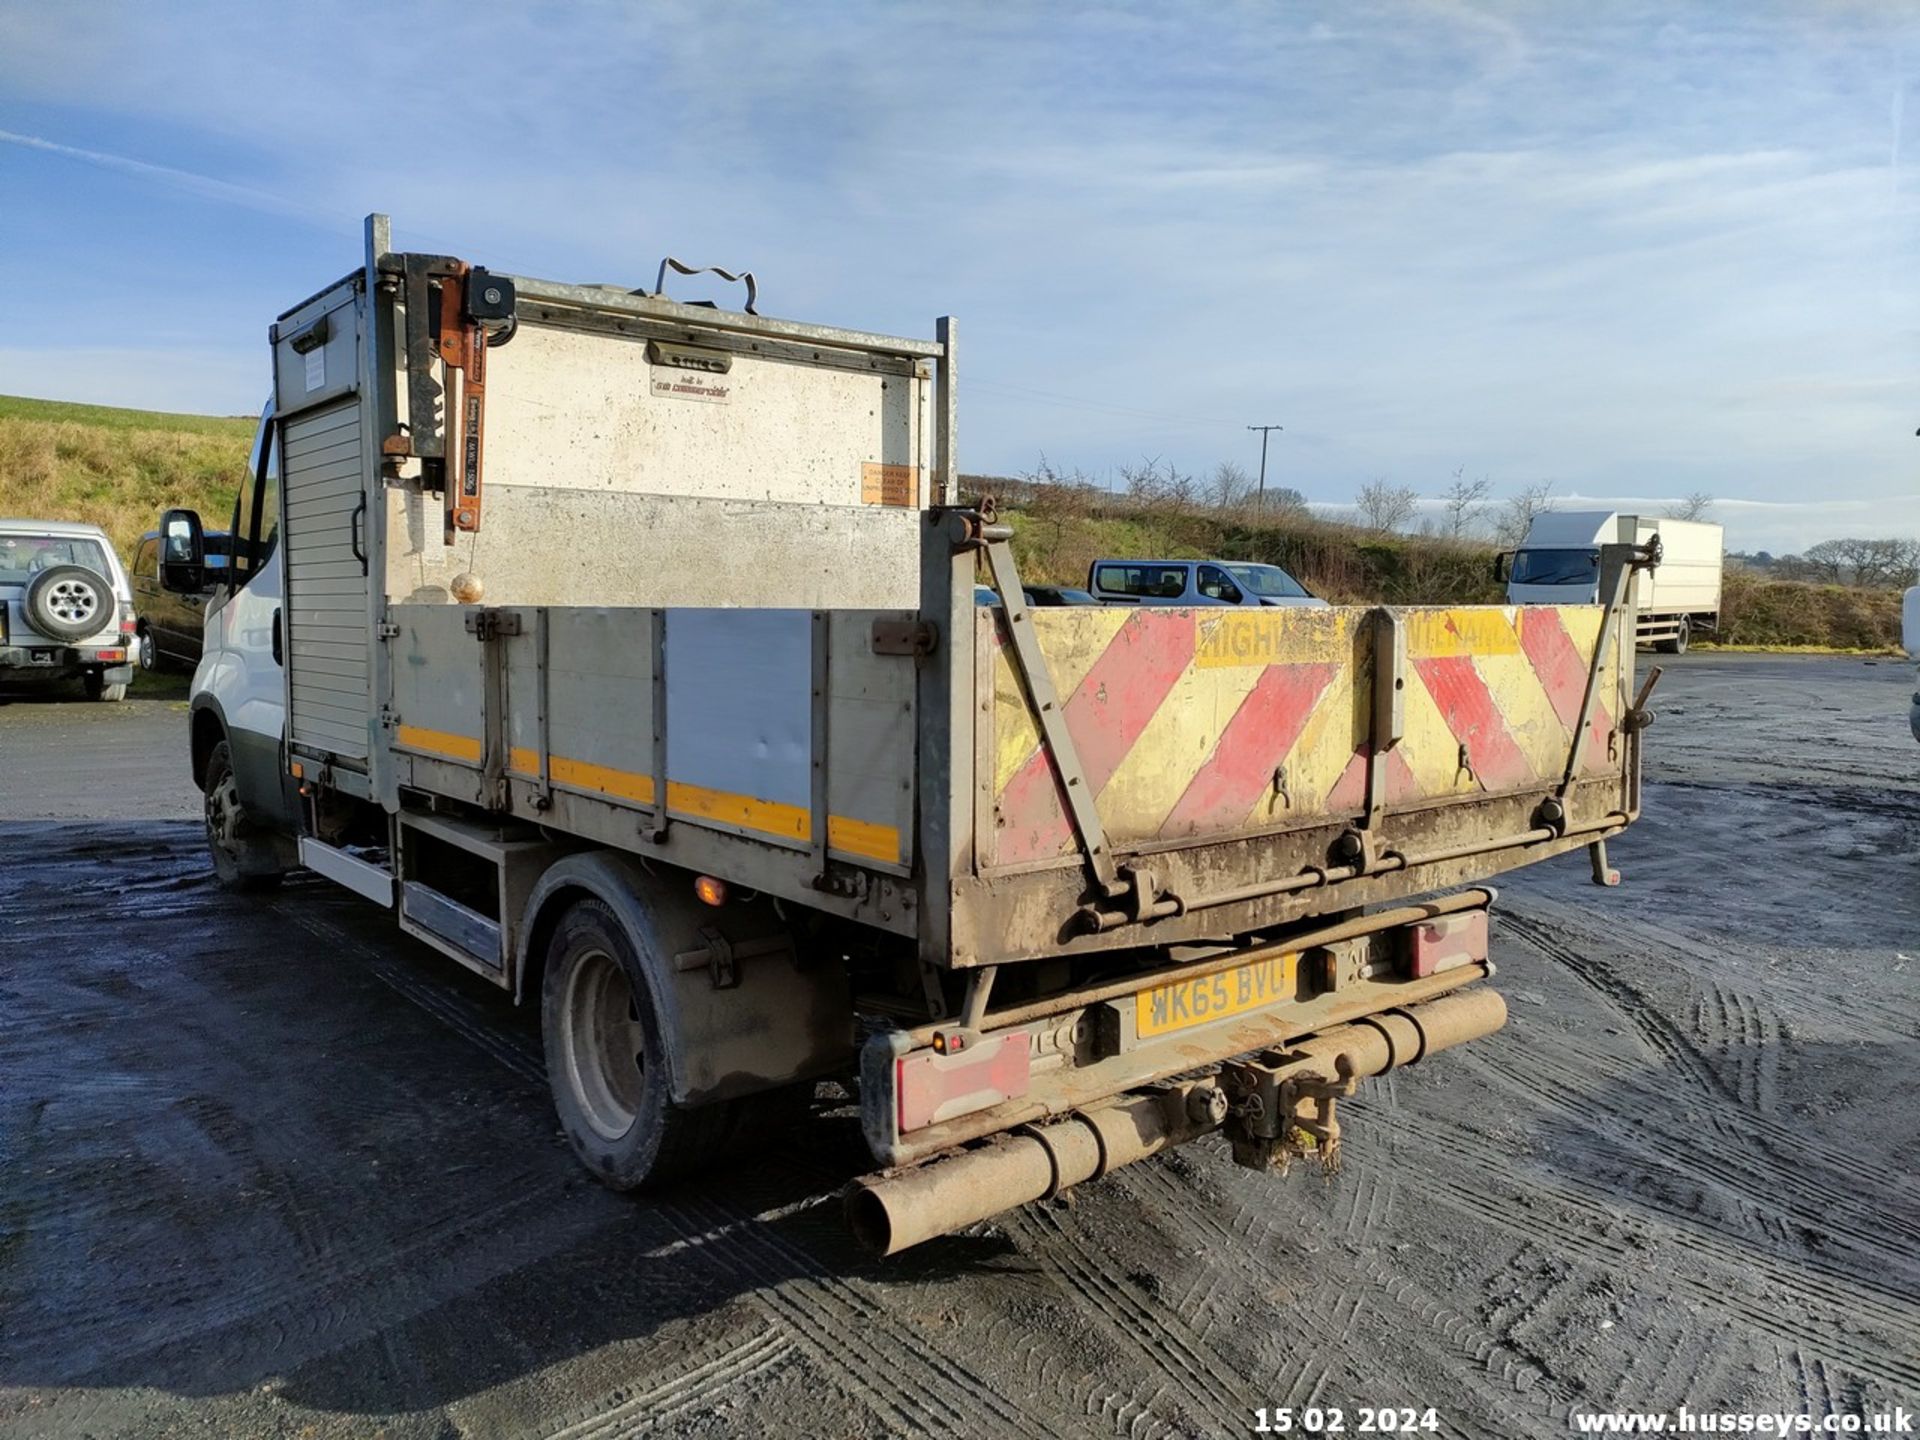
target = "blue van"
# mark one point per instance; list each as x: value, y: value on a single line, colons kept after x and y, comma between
x: 1194, y: 582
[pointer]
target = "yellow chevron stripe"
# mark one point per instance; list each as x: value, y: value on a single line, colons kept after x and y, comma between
x: 1176, y: 743
x: 1337, y: 727
x: 1430, y: 748
x: 1073, y: 638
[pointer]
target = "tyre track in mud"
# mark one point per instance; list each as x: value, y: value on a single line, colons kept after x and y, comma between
x: 635, y: 1410
x: 851, y: 1337
x: 1603, y: 1236
x: 831, y: 1320
x: 1475, y: 1356
x: 1155, y: 1337
x: 1670, y: 1042
x: 1723, y: 1151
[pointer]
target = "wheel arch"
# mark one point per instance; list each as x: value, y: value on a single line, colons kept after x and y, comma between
x: 207, y: 727
x: 789, y: 1016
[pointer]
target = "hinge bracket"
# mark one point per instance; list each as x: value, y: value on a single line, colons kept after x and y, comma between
x: 487, y: 624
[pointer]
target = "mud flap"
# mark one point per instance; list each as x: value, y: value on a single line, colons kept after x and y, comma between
x: 742, y: 1009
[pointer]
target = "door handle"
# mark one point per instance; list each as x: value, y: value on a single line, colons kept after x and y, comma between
x: 359, y: 550
x: 276, y: 637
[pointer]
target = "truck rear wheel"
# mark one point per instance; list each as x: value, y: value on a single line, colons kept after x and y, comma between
x: 607, y: 1064
x: 1678, y: 644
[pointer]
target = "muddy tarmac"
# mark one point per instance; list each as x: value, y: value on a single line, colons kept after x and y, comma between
x: 266, y: 1168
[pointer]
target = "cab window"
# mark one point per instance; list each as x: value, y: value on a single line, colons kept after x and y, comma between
x: 1149, y: 582
x: 1215, y: 585
x: 256, y: 515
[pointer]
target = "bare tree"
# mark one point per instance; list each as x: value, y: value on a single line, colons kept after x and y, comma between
x: 1285, y: 500
x: 1385, y: 506
x: 1825, y: 562
x: 1055, y: 500
x: 1463, y: 500
x: 1696, y: 506
x: 1517, y: 513
x: 1230, y: 486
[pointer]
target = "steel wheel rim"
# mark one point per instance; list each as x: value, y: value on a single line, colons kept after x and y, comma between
x: 72, y: 602
x: 605, y: 1046
x: 223, y: 805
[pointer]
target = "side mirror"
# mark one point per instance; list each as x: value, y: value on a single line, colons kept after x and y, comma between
x: 183, y: 553
x: 1502, y: 566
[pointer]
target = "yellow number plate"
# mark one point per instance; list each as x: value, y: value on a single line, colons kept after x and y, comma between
x: 1172, y: 1007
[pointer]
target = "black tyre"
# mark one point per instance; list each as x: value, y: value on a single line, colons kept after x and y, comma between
x: 69, y: 602
x: 98, y: 689
x: 608, y: 1067
x: 1678, y: 644
x: 244, y: 856
x: 148, y: 659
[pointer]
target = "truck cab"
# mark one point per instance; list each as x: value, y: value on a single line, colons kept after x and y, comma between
x: 238, y: 711
x: 1559, y: 564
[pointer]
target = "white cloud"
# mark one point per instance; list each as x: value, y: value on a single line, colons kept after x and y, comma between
x: 1633, y: 247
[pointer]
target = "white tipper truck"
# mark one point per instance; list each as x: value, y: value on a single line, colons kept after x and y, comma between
x: 626, y: 652
x: 1559, y: 564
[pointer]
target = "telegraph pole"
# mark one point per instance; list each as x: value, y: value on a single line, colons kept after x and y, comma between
x: 1263, y: 429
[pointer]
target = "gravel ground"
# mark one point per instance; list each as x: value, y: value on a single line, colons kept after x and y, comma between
x: 268, y: 1169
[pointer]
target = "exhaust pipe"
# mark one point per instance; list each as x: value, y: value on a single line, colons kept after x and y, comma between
x: 893, y: 1212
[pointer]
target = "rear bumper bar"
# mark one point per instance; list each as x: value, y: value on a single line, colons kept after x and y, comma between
x: 920, y: 1097
x: 1265, y: 1102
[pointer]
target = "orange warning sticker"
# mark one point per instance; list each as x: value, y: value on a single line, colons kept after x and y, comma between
x: 889, y: 485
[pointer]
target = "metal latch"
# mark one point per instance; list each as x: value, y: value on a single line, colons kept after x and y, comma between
x: 915, y: 638
x: 488, y: 623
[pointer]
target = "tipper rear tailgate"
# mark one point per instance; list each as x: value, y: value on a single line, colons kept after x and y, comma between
x: 1227, y: 746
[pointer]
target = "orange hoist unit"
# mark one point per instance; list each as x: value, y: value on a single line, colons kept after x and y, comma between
x: 455, y: 312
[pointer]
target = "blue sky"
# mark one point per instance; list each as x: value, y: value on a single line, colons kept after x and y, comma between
x: 1635, y: 250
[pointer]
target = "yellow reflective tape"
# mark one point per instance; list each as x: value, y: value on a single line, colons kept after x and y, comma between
x: 438, y: 742
x: 1474, y: 630
x: 862, y: 837
x: 866, y: 838
x: 724, y: 807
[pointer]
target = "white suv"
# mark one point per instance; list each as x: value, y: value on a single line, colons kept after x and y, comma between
x: 66, y: 609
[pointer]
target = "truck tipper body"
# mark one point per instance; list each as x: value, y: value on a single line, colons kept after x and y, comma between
x: 626, y: 651
x: 1559, y: 563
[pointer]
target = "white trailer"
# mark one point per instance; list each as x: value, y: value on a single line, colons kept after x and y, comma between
x: 1559, y: 564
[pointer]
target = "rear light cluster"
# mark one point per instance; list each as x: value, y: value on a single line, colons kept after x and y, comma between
x: 931, y: 1087
x: 1446, y: 943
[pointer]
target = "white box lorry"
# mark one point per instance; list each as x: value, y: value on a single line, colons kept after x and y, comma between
x: 1559, y: 564
x: 627, y: 652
